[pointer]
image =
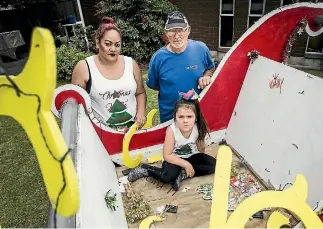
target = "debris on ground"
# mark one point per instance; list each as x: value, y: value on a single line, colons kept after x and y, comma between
x: 136, y: 207
x: 242, y: 186
x: 186, y: 188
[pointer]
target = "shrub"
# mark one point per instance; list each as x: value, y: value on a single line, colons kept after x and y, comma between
x: 78, y: 41
x: 141, y: 23
x: 67, y: 58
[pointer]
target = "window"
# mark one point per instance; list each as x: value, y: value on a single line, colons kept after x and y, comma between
x: 256, y: 11
x: 314, y: 45
x: 226, y: 23
x: 287, y: 2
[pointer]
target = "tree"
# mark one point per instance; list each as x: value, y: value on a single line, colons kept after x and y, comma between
x: 141, y: 23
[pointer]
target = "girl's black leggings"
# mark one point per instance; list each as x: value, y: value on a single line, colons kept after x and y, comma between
x: 202, y: 163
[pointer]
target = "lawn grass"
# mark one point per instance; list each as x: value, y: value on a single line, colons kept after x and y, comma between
x: 23, y: 197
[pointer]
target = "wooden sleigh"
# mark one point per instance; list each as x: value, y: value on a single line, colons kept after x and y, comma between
x: 254, y: 101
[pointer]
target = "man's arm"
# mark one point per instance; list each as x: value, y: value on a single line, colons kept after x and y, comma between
x: 209, y: 73
x: 209, y: 65
x: 153, y: 75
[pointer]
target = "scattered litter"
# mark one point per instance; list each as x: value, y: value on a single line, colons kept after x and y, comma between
x: 171, y: 208
x: 241, y: 187
x: 206, y: 190
x: 309, y: 76
x: 267, y: 170
x: 186, y: 188
x: 136, y: 206
x: 207, y: 195
x: 159, y: 210
x: 301, y: 92
x: 258, y: 215
x: 121, y: 182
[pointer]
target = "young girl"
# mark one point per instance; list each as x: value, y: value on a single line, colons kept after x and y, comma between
x: 184, y: 147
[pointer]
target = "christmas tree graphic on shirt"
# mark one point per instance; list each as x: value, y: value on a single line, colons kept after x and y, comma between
x: 184, y: 150
x: 118, y: 114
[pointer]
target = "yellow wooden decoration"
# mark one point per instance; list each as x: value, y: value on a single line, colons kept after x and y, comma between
x: 150, y: 117
x: 155, y: 158
x: 149, y: 220
x: 127, y: 159
x: 277, y: 220
x: 39, y: 78
x: 293, y: 199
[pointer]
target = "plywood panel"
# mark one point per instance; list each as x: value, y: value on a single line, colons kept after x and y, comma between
x: 279, y: 130
x: 193, y: 211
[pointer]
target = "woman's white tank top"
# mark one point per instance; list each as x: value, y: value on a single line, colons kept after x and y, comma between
x: 114, y: 100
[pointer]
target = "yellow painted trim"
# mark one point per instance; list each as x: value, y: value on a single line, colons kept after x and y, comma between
x: 292, y: 199
x: 39, y: 78
x: 150, y: 118
x: 149, y: 220
x: 220, y: 198
x: 277, y: 220
x: 127, y: 159
x: 156, y: 158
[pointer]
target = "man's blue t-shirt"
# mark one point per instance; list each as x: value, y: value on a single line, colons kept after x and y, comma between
x: 177, y: 72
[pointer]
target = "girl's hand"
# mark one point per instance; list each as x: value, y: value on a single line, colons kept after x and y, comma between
x: 140, y: 119
x: 189, y: 169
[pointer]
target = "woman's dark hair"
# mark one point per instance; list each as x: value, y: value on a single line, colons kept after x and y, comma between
x: 202, y: 126
x: 106, y: 25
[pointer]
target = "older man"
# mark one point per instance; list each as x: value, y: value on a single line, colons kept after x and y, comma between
x: 179, y: 66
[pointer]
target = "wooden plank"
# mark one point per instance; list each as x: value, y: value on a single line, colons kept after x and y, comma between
x: 193, y: 211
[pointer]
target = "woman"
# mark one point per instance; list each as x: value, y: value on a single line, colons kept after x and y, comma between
x: 113, y: 81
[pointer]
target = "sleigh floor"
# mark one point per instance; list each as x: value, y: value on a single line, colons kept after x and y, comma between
x: 193, y: 211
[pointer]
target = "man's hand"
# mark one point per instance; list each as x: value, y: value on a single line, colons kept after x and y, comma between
x: 189, y: 169
x: 140, y: 119
x: 204, y: 81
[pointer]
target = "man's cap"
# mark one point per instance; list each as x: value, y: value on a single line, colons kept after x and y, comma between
x: 175, y: 20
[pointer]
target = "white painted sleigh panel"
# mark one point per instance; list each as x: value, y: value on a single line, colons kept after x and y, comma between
x: 277, y: 125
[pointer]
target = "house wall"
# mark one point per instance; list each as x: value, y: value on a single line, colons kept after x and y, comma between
x: 203, y: 16
x: 88, y: 8
x: 204, y: 20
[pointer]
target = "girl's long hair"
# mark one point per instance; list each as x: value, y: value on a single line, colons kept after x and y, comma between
x: 202, y: 126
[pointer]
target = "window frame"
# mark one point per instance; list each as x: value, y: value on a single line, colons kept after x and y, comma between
x: 255, y: 15
x: 312, y: 54
x: 226, y: 15
x: 282, y: 1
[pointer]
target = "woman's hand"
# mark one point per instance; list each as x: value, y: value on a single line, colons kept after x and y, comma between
x: 189, y: 169
x: 140, y: 119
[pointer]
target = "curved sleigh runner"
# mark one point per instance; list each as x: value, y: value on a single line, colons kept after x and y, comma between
x: 258, y: 110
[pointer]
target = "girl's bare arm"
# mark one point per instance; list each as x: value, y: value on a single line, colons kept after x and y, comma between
x: 201, y: 146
